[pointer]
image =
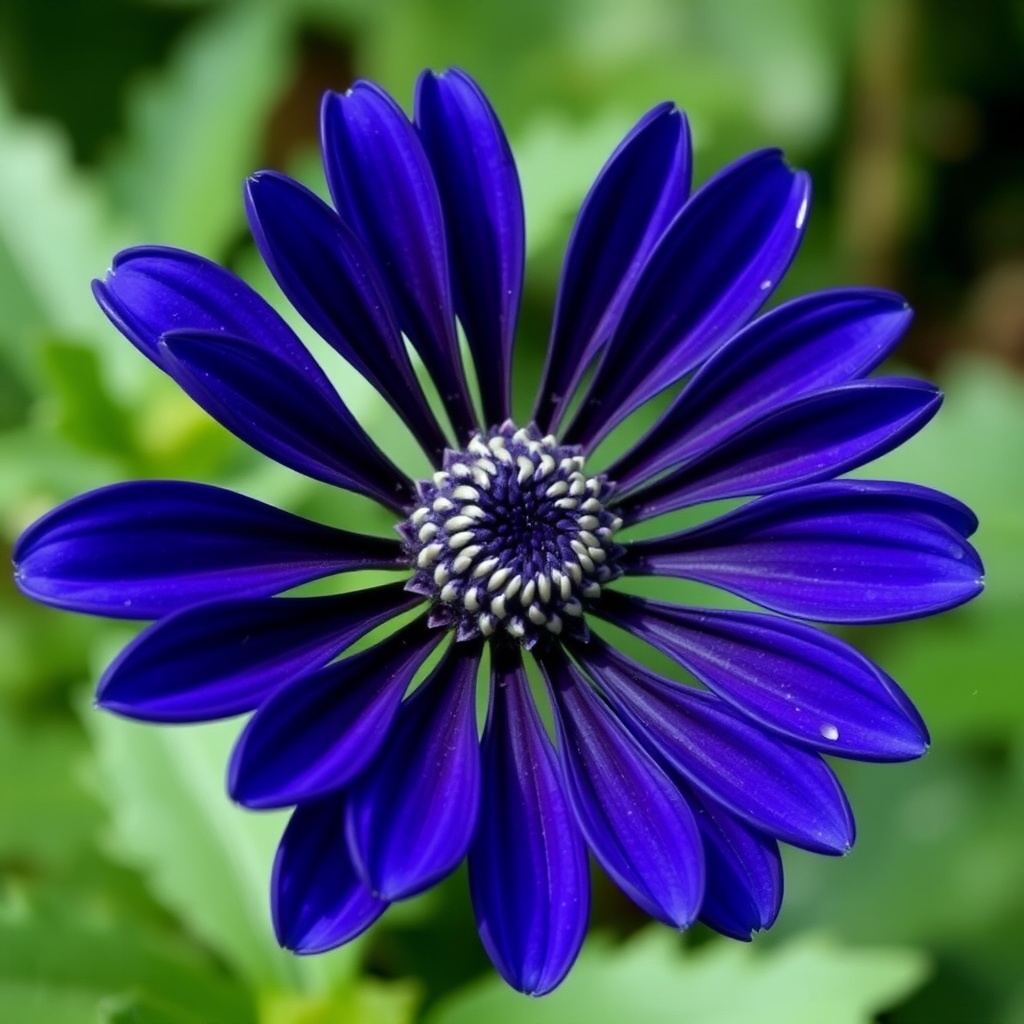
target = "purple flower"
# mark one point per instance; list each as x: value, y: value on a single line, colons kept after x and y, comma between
x: 514, y: 545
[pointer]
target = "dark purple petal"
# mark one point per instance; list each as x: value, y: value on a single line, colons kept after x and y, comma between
x: 527, y: 865
x: 813, y: 438
x: 316, y: 733
x: 318, y: 901
x: 140, y: 550
x: 795, y: 680
x: 329, y: 277
x: 384, y: 190
x: 483, y: 215
x: 812, y: 343
x: 786, y: 791
x: 271, y: 405
x: 215, y: 660
x: 639, y: 191
x: 154, y: 289
x: 412, y: 814
x: 847, y: 551
x: 714, y: 267
x: 634, y: 817
x: 743, y: 894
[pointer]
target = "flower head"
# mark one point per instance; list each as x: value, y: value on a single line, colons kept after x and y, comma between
x: 515, y: 544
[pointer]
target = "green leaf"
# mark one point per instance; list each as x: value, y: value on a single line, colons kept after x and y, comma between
x: 46, y: 817
x: 205, y: 858
x: 85, y: 411
x: 651, y: 980
x: 195, y: 132
x: 77, y: 973
x: 55, y: 236
x: 363, y: 1001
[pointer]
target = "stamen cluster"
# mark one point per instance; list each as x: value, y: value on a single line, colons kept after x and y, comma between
x: 512, y: 534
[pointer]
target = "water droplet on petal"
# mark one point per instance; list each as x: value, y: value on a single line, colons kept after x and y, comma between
x: 830, y: 732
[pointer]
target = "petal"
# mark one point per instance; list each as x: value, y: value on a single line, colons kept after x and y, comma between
x: 154, y: 289
x: 806, y: 685
x: 744, y: 873
x: 318, y: 900
x: 812, y: 343
x: 634, y: 817
x: 483, y: 215
x: 384, y: 190
x: 639, y: 191
x: 714, y: 267
x: 271, y: 405
x: 329, y: 277
x: 140, y: 550
x: 813, y: 438
x: 846, y: 551
x: 790, y: 793
x: 215, y: 660
x: 411, y: 816
x: 316, y: 733
x: 527, y: 865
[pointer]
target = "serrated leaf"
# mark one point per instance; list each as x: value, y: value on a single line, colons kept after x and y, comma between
x: 650, y: 980
x: 205, y: 858
x: 194, y: 132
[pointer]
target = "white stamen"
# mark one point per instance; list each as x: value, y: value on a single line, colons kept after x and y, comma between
x: 466, y: 493
x: 449, y: 592
x: 471, y: 600
x: 459, y: 522
x: 526, y: 597
x: 513, y: 587
x: 460, y: 540
x: 554, y: 624
x: 486, y: 567
x: 419, y: 515
x: 441, y: 575
x: 498, y: 579
x: 428, y: 555
x: 557, y: 489
x: 441, y: 478
x: 442, y: 504
x: 566, y: 503
x: 544, y: 587
x: 498, y: 607
x: 428, y: 531
x: 525, y: 468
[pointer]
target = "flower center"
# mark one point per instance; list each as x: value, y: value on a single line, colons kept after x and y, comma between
x: 512, y: 534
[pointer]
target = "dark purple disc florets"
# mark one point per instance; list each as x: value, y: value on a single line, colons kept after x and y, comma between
x: 512, y: 535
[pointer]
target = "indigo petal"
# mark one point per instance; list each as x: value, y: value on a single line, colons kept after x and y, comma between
x: 793, y: 679
x: 140, y: 550
x: 316, y: 733
x: 813, y: 438
x: 214, y: 660
x: 713, y: 268
x: 270, y: 404
x: 153, y: 289
x: 411, y: 815
x: 318, y: 901
x: 815, y: 342
x: 785, y: 791
x: 744, y: 873
x: 846, y: 551
x: 484, y: 221
x: 383, y: 187
x: 527, y: 864
x: 633, y: 816
x: 639, y: 191
x: 329, y: 277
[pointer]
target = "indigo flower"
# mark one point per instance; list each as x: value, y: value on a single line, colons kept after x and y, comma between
x: 681, y: 788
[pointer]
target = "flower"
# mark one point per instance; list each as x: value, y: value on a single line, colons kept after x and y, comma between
x: 513, y: 546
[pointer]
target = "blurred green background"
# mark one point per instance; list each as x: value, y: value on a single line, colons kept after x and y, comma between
x: 131, y: 890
